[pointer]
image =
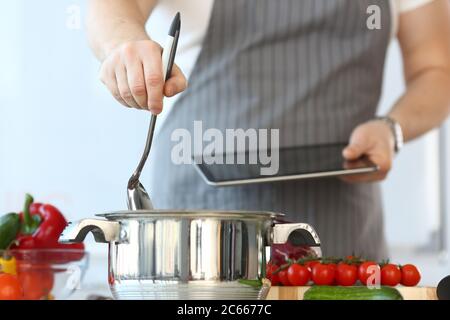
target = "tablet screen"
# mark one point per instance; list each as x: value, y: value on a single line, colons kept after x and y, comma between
x: 293, y: 163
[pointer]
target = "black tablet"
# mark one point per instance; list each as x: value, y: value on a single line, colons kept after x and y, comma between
x: 293, y: 163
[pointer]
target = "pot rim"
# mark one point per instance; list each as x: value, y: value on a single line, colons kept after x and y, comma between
x: 166, y: 213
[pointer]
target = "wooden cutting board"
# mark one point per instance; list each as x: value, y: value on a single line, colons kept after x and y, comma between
x: 296, y: 293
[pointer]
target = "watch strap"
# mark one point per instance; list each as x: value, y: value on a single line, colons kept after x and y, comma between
x: 396, y: 129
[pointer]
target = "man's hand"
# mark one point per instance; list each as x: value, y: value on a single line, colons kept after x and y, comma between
x: 375, y: 140
x: 134, y: 76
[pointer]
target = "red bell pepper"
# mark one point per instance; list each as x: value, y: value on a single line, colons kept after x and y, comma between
x: 42, y: 224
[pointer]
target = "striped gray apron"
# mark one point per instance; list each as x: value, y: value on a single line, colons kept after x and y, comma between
x: 310, y: 68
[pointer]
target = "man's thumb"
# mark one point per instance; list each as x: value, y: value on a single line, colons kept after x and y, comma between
x: 353, y: 151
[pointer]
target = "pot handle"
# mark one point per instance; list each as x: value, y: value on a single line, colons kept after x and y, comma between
x: 299, y: 234
x: 104, y: 231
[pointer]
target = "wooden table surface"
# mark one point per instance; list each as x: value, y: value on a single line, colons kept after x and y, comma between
x: 296, y: 293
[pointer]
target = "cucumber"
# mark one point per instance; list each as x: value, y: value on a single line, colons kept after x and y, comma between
x: 351, y: 293
x: 9, y: 227
x: 252, y: 283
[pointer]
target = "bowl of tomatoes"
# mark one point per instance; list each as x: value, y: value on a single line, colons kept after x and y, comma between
x: 41, y: 274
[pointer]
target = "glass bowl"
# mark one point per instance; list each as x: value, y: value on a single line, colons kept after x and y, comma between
x: 46, y: 274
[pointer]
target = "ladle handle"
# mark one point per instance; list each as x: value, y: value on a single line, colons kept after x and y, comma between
x: 134, y: 180
x: 168, y: 59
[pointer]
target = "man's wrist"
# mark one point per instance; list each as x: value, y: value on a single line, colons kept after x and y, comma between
x: 396, y: 130
x: 109, y: 47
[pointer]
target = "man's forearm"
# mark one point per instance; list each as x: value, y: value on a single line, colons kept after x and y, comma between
x: 111, y: 23
x: 426, y: 103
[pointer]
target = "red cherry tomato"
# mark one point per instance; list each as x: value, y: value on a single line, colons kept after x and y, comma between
x: 283, y: 276
x: 10, y: 288
x: 323, y: 274
x: 37, y: 280
x: 353, y: 261
x: 410, y: 275
x: 367, y: 269
x: 298, y: 275
x: 268, y: 270
x: 346, y: 274
x: 390, y: 275
x: 274, y: 278
x: 334, y: 266
x: 36, y: 284
x: 311, y: 264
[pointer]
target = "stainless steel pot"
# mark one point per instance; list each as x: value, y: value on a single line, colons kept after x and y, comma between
x: 190, y: 255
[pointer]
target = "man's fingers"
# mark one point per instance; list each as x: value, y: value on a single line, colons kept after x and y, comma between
x: 384, y: 163
x: 384, y: 166
x: 372, y: 140
x: 124, y: 88
x: 353, y: 151
x: 366, y: 177
x: 176, y: 83
x: 109, y: 80
x: 133, y: 73
x: 136, y: 82
x: 154, y: 81
x: 351, y: 163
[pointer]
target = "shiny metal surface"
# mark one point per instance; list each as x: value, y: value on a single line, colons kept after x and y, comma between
x: 103, y: 231
x: 132, y: 214
x: 189, y: 254
x: 137, y: 196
